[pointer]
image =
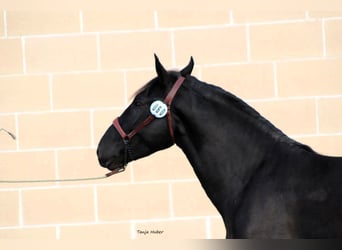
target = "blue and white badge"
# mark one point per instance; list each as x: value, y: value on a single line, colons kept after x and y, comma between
x: 158, y: 109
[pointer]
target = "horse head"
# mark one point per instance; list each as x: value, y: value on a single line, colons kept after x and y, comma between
x: 146, y: 125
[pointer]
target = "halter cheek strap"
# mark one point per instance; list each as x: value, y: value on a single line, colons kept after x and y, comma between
x: 168, y: 101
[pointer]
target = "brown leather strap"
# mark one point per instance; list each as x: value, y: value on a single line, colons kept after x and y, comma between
x: 168, y: 100
x: 123, y: 134
x: 118, y: 127
x: 142, y: 125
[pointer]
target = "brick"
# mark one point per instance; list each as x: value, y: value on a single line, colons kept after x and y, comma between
x: 129, y: 50
x: 329, y: 144
x: 330, y: 115
x: 65, y: 53
x: 42, y: 22
x: 54, y: 130
x: 7, y: 122
x: 46, y: 233
x: 63, y: 205
x: 221, y: 45
x: 9, y: 213
x: 218, y: 230
x: 163, y: 165
x: 190, y: 199
x: 283, y: 41
x: 333, y: 31
x: 30, y: 93
x: 129, y: 202
x: 27, y: 166
x: 97, y: 232
x: 88, y: 90
x: 183, y: 18
x: 117, y: 20
x: 83, y: 163
x: 290, y: 116
x: 246, y: 81
x: 307, y: 78
x: 11, y: 61
x: 251, y: 16
x: 178, y: 229
x: 103, y: 119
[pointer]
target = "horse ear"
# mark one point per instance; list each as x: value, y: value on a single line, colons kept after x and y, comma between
x: 161, y: 71
x: 188, y: 69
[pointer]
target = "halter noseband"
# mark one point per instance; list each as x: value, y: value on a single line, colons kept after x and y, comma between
x: 127, y: 137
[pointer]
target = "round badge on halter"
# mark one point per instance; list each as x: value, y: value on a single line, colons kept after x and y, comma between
x: 158, y: 109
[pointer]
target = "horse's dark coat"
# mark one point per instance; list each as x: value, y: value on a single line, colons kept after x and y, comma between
x: 264, y: 184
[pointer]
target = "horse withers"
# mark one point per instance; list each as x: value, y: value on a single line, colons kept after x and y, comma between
x: 263, y: 183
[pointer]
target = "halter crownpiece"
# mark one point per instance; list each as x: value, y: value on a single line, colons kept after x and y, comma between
x: 158, y: 109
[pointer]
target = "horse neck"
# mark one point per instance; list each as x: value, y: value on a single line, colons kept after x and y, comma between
x: 221, y: 142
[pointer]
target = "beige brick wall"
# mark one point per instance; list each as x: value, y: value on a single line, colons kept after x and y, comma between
x: 65, y: 75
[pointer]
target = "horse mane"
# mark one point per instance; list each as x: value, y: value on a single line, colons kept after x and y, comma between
x: 226, y: 97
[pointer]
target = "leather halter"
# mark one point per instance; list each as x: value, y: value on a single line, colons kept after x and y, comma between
x: 127, y: 137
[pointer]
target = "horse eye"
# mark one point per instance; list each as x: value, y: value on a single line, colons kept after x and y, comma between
x: 139, y: 103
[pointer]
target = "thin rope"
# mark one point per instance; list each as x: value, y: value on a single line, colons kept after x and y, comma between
x: 116, y: 171
x: 54, y: 180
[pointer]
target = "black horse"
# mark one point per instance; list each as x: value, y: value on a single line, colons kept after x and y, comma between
x: 264, y: 184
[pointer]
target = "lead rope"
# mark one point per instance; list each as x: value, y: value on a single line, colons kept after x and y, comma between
x: 64, y: 180
x: 53, y: 180
x: 58, y: 180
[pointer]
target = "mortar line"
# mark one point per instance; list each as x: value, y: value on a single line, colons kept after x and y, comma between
x: 98, y: 51
x: 81, y: 21
x: 156, y: 21
x: 307, y: 15
x: 208, y: 227
x: 199, y: 27
x: 5, y: 23
x: 20, y: 208
x: 231, y: 17
x: 139, y: 69
x: 133, y: 230
x: 58, y: 232
x: 23, y: 50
